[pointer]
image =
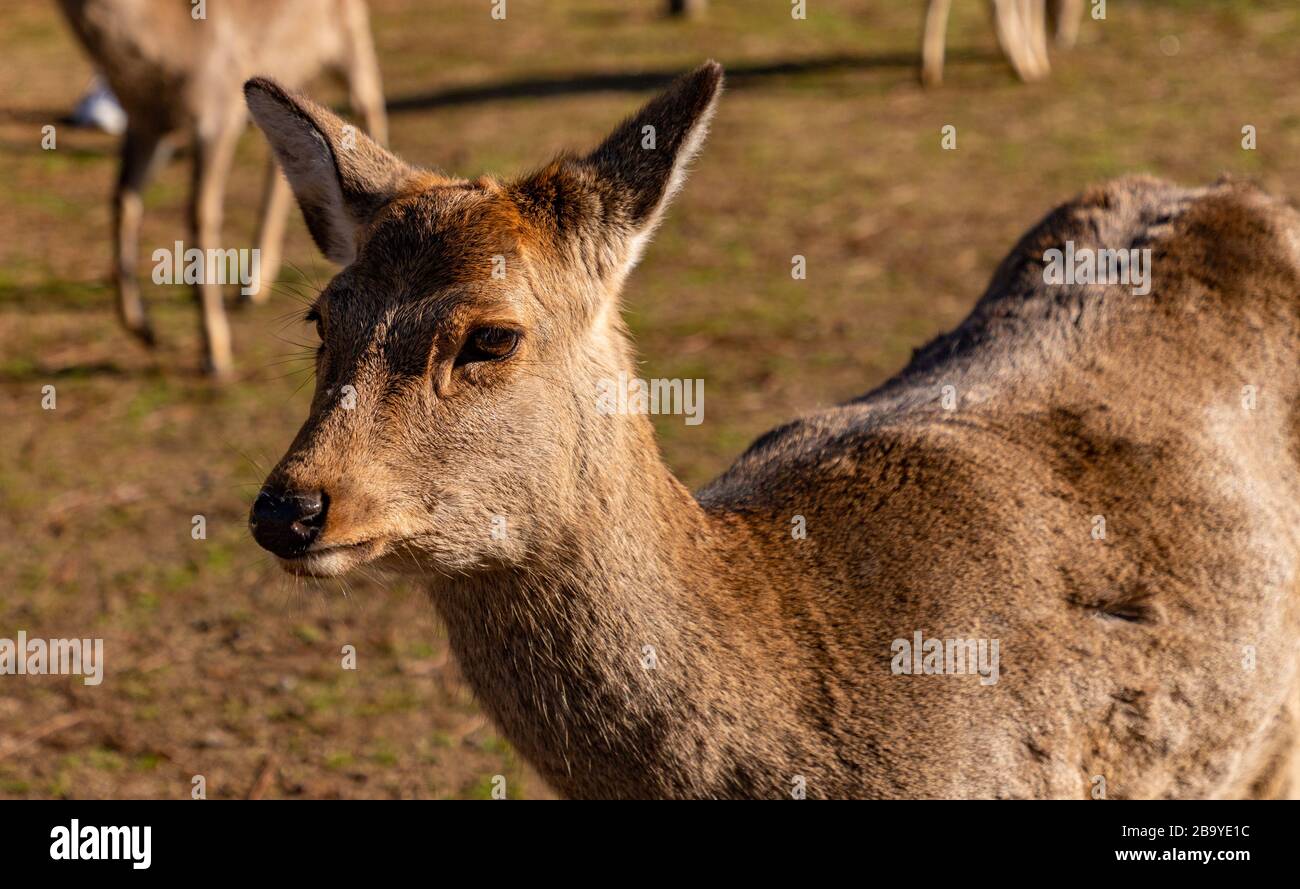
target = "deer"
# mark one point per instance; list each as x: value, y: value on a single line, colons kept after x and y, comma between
x: 178, y: 71
x: 634, y: 640
x: 1021, y: 27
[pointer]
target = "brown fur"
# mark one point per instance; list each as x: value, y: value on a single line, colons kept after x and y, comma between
x: 1120, y: 658
x: 178, y: 76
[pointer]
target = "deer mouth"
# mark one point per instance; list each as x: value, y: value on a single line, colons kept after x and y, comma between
x: 333, y: 560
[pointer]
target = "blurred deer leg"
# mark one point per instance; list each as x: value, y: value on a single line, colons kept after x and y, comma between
x: 141, y: 150
x: 277, y: 200
x: 1066, y: 15
x: 213, y: 151
x: 1034, y: 21
x: 1010, y: 27
x: 1006, y: 24
x: 932, y: 41
x: 361, y: 68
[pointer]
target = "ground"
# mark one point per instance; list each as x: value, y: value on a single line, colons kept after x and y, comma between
x: 825, y: 146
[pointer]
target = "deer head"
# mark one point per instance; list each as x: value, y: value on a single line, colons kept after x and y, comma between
x: 454, y: 423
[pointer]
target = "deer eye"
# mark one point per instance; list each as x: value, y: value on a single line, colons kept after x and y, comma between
x: 313, y: 317
x: 489, y: 344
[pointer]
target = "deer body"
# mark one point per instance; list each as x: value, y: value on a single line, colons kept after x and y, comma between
x: 1121, y: 657
x: 180, y: 76
x: 633, y: 640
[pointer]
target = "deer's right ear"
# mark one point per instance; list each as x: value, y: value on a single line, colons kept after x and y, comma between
x: 340, y: 176
x: 610, y: 201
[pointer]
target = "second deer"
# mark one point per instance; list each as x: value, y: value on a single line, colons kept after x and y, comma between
x: 178, y: 76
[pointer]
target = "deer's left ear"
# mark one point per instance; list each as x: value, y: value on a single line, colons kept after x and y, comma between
x: 643, y: 162
x: 612, y: 199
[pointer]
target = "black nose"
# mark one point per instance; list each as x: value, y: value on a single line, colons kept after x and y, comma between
x: 286, y: 522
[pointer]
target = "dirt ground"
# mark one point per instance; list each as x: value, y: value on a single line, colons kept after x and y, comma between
x: 219, y: 665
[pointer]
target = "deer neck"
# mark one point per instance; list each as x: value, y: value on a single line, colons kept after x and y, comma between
x: 605, y: 659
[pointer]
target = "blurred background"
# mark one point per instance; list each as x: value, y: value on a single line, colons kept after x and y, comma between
x: 825, y: 145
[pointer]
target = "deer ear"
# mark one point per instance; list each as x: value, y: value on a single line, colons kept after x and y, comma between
x: 340, y: 176
x: 609, y: 202
x: 643, y: 162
